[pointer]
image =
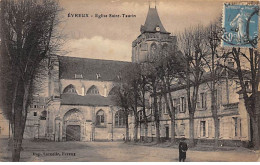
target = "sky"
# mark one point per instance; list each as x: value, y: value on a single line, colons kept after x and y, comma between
x: 111, y: 38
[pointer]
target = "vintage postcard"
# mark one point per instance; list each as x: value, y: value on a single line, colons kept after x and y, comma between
x: 129, y: 81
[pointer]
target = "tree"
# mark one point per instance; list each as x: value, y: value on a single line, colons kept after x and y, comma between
x: 212, y: 42
x: 27, y: 28
x: 192, y: 44
x: 143, y: 87
x: 121, y: 98
x: 168, y: 67
x: 247, y: 69
x: 150, y: 72
x: 127, y: 95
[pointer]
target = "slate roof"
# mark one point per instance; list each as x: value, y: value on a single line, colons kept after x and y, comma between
x: 88, y: 100
x: 152, y: 21
x: 88, y: 68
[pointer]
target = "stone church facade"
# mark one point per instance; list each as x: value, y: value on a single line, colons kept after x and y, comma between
x: 80, y: 106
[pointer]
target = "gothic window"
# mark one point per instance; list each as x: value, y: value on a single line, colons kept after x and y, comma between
x: 93, y: 90
x: 165, y: 50
x: 120, y: 119
x: 73, y: 115
x: 153, y: 50
x: 100, y: 118
x: 70, y: 89
x: 43, y: 115
x: 113, y: 91
x: 138, y: 53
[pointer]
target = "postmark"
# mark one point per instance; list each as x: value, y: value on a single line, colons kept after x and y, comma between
x: 240, y: 25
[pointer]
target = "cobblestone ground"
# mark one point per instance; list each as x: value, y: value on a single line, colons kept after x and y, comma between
x: 117, y: 152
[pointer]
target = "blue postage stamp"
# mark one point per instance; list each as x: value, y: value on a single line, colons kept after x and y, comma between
x: 240, y: 25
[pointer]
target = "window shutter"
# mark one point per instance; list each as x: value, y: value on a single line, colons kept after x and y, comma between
x: 232, y: 128
x: 207, y: 128
x: 176, y: 130
x: 178, y: 104
x: 184, y: 104
x: 183, y: 129
x: 220, y: 128
x: 205, y: 99
x: 199, y: 129
x: 240, y: 127
x: 174, y: 105
x: 210, y: 128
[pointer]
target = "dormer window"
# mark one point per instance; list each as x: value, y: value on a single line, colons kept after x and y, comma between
x: 98, y: 76
x: 78, y: 76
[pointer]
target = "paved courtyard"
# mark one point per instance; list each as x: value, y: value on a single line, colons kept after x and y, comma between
x: 117, y: 152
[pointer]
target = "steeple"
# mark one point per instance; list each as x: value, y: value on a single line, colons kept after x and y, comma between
x: 153, y: 22
x: 154, y: 40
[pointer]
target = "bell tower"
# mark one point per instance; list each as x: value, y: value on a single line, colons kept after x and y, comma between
x: 154, y: 41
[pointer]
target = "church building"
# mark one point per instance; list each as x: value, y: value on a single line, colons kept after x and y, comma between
x: 79, y: 105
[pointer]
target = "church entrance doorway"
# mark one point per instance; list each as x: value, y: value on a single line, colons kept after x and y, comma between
x: 73, y: 125
x: 73, y: 133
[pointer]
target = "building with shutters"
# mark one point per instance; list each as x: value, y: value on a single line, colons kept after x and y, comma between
x: 234, y: 121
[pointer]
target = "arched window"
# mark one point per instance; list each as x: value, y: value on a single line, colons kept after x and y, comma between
x: 120, y: 119
x: 43, y: 115
x: 153, y: 51
x: 100, y: 118
x: 93, y: 90
x: 70, y: 89
x: 113, y: 91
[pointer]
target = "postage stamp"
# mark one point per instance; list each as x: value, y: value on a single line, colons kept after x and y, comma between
x: 240, y: 25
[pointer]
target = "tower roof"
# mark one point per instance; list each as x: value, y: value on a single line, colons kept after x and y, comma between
x: 152, y: 21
